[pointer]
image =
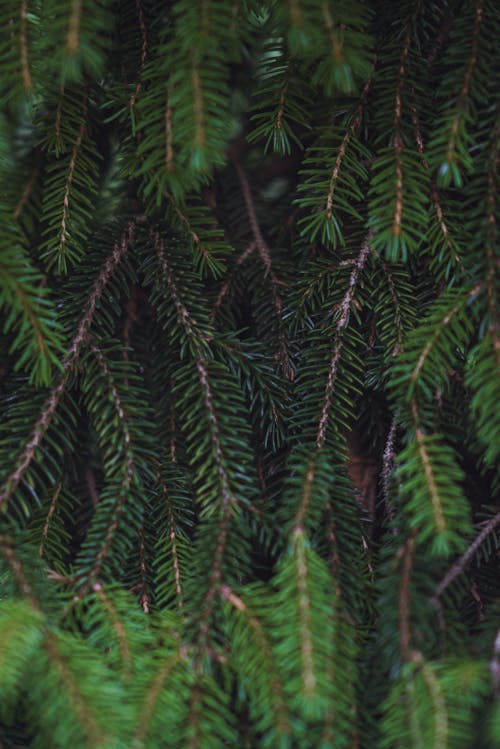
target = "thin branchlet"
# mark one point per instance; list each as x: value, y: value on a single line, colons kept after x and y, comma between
x: 70, y: 360
x: 341, y: 325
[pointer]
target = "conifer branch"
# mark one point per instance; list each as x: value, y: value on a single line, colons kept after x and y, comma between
x: 169, y: 148
x: 194, y: 718
x: 152, y: 695
x: 460, y: 107
x: 105, y: 549
x: 48, y: 518
x: 436, y: 204
x: 26, y: 193
x: 228, y: 500
x: 175, y: 562
x: 440, y: 711
x: 130, y: 320
x: 200, y: 245
x: 334, y: 556
x: 349, y: 134
x: 342, y: 322
x: 58, y: 120
x: 429, y: 472
x: 23, y: 46
x: 173, y: 541
x: 215, y: 579
x: 26, y: 456
x: 306, y: 640
x: 276, y: 688
x: 119, y: 251
x: 399, y: 201
x: 144, y: 52
x: 172, y: 445
x: 259, y: 241
x: 398, y: 142
x: 441, y: 37
x: 335, y: 42
x: 224, y: 289
x: 460, y: 565
x: 127, y: 471
x: 73, y: 36
x: 307, y: 489
x: 27, y: 304
x: 91, y: 486
x: 184, y: 317
x: 398, y: 100
x: 262, y: 249
x: 435, y: 199
x: 144, y: 597
x: 406, y: 553
x: 12, y: 481
x: 182, y: 559
x: 278, y: 117
x: 198, y: 105
x: 15, y: 564
x: 117, y: 626
x: 71, y: 689
x: 438, y: 334
x: 388, y: 461
x: 491, y: 241
x: 63, y: 234
x: 393, y: 290
x: 328, y: 732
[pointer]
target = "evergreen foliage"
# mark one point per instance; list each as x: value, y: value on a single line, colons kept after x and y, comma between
x: 250, y: 374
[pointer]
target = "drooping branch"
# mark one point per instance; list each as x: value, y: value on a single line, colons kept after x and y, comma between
x: 306, y: 638
x: 406, y: 553
x: 460, y: 107
x: 244, y: 254
x: 144, y: 52
x: 492, y: 260
x: 461, y: 564
x: 117, y: 626
x: 48, y: 518
x: 23, y: 46
x: 260, y: 243
x: 152, y: 695
x: 429, y: 472
x: 63, y: 232
x: 128, y: 469
x: 15, y: 564
x: 74, y: 27
x: 437, y: 335
x: 185, y: 319
x: 342, y: 323
x: 26, y: 456
x: 30, y: 184
x: 276, y: 688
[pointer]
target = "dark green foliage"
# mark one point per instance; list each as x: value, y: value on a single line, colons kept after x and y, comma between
x: 250, y: 374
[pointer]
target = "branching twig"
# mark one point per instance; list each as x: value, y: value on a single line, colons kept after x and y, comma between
x: 12, y: 481
x: 342, y: 322
x: 459, y: 567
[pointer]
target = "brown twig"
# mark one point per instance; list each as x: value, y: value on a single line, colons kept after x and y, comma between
x: 26, y: 456
x: 405, y: 553
x: 459, y: 567
x: 342, y: 322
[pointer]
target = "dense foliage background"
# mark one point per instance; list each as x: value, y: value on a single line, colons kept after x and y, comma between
x: 249, y: 363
